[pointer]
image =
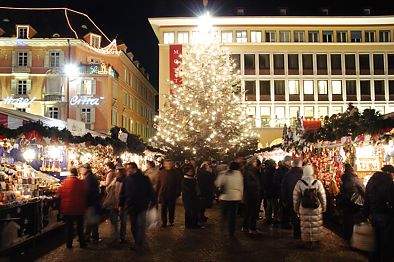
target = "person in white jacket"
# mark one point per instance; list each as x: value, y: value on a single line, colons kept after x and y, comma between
x: 232, y: 186
x: 311, y: 219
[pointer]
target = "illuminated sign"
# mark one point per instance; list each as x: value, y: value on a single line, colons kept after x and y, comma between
x: 85, y: 100
x: 20, y: 101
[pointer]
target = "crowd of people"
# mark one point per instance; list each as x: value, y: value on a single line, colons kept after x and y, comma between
x: 288, y: 192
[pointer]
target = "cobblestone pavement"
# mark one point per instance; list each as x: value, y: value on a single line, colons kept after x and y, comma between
x: 207, y: 244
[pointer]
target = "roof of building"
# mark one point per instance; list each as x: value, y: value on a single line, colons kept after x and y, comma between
x: 48, y: 22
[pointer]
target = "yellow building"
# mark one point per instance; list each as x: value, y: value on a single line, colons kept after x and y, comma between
x: 312, y: 65
x: 59, y: 63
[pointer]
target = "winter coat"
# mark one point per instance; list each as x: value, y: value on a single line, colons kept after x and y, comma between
x: 109, y: 177
x: 268, y: 183
x: 137, y: 193
x: 379, y: 195
x: 350, y: 184
x: 153, y: 174
x: 278, y: 178
x: 72, y: 196
x: 288, y: 184
x: 233, y: 184
x: 93, y: 194
x: 252, y: 186
x: 311, y: 219
x: 189, y: 192
x: 169, y: 184
x: 206, y: 182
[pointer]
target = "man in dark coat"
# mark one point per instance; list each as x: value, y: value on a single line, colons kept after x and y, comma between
x: 190, y: 197
x: 205, y: 180
x: 379, y: 207
x: 288, y: 184
x: 271, y: 194
x: 137, y: 195
x: 284, y: 212
x: 92, y: 203
x: 251, y: 196
x: 168, y: 190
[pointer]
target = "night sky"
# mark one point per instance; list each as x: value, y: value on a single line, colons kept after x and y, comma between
x: 128, y: 19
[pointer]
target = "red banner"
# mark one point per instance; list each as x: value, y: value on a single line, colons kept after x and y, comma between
x: 175, y: 52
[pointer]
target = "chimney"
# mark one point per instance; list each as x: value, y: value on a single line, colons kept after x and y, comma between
x: 148, y: 76
x: 142, y: 70
x: 122, y: 47
x: 367, y: 11
x: 325, y: 11
x: 137, y: 63
x: 130, y: 55
x: 283, y: 11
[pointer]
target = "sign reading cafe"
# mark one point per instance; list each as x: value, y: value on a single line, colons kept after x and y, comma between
x: 85, y: 101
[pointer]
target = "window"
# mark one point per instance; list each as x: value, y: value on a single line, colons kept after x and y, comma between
x: 22, y: 87
x: 237, y: 60
x: 241, y: 36
x: 328, y: 36
x: 227, y: 37
x: 351, y: 90
x: 391, y: 88
x: 378, y: 64
x: 255, y: 36
x: 131, y: 103
x: 321, y: 64
x: 22, y: 32
x: 114, y: 117
x: 169, y: 38
x: 390, y: 63
x: 293, y: 64
x: 307, y: 64
x: 279, y: 64
x: 270, y: 36
x: 115, y: 90
x: 183, y: 37
x: 250, y: 90
x: 54, y: 59
x: 309, y: 112
x: 337, y: 110
x: 21, y: 109
x: 22, y: 58
x: 87, y: 87
x: 336, y: 64
x: 364, y: 64
x: 265, y: 89
x: 265, y: 115
x: 355, y: 36
x: 294, y: 87
x: 125, y: 122
x: 299, y: 36
x: 293, y: 112
x: 250, y: 64
x: 53, y: 112
x: 384, y: 36
x: 313, y: 36
x: 95, y: 40
x: 350, y: 64
x: 365, y: 90
x: 279, y: 87
x: 284, y: 36
x: 336, y: 86
x: 195, y: 39
x: 341, y: 36
x: 86, y: 115
x: 279, y: 112
x: 379, y: 89
x: 370, y: 36
x: 323, y: 87
x: 308, y: 87
x: 323, y: 111
x: 124, y: 99
x: 264, y: 64
x: 251, y: 111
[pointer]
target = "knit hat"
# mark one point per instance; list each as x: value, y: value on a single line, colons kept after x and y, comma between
x: 308, y: 171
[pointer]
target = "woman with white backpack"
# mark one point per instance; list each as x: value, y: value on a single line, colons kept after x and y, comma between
x: 309, y: 200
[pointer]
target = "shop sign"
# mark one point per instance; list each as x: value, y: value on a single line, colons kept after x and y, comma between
x: 19, y: 101
x: 85, y: 101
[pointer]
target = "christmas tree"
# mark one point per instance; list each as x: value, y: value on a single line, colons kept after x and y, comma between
x: 204, y: 115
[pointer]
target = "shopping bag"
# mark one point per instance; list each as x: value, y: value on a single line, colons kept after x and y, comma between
x: 363, y: 237
x: 152, y: 218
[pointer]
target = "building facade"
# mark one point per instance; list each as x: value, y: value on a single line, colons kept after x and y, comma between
x: 312, y: 65
x: 58, y: 63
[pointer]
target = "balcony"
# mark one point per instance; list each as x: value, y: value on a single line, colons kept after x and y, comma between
x: 21, y: 69
x: 53, y: 97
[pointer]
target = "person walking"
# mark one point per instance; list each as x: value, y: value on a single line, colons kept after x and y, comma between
x: 137, y: 196
x: 190, y: 197
x: 72, y: 194
x: 251, y: 196
x: 379, y: 207
x: 168, y: 190
x: 121, y: 176
x: 288, y: 184
x: 284, y: 214
x: 351, y: 196
x: 153, y: 173
x: 92, y: 202
x: 310, y: 210
x: 271, y: 195
x: 232, y: 186
x: 205, y: 180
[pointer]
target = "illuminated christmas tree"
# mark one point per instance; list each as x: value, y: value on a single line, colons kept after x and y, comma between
x: 204, y: 115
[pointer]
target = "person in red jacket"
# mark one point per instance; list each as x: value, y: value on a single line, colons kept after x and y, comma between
x: 72, y: 196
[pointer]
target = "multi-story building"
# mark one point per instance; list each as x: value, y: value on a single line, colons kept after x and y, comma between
x: 312, y: 65
x: 58, y: 63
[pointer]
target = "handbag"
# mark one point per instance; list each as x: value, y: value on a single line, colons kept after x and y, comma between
x: 363, y: 237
